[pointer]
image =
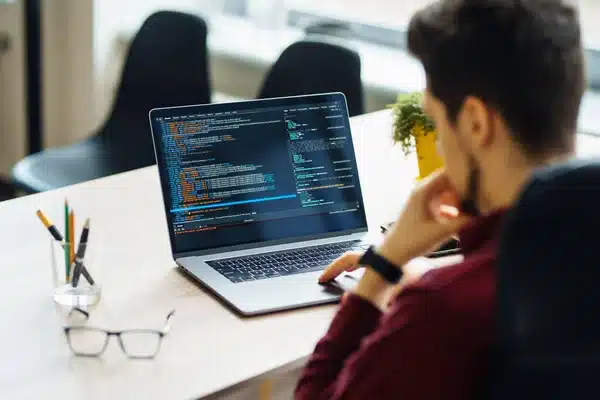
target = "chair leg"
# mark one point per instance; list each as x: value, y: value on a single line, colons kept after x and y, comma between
x: 7, y: 190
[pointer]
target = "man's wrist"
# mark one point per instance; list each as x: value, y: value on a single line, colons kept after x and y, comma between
x: 373, y: 288
x: 392, y: 252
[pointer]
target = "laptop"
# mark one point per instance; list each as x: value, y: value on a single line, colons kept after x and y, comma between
x: 260, y: 196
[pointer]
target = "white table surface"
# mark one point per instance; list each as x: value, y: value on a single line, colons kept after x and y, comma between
x: 209, y: 348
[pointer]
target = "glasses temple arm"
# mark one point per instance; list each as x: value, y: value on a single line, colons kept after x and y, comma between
x: 167, y: 326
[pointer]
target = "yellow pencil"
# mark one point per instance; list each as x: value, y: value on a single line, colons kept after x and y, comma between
x: 72, y: 237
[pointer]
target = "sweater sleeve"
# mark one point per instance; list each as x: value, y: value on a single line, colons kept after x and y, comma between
x: 405, y: 352
x: 355, y: 319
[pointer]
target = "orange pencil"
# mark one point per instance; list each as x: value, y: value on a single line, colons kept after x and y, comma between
x: 72, y: 237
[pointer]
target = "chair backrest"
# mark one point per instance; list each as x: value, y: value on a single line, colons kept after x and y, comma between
x: 308, y: 67
x: 166, y: 65
x: 549, y: 287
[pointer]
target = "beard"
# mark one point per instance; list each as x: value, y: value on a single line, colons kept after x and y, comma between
x: 468, y: 204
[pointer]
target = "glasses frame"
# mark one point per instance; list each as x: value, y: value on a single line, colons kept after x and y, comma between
x: 161, y: 333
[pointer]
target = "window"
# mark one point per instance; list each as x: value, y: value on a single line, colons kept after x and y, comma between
x: 386, y: 13
x: 590, y: 12
x: 396, y: 14
x: 384, y: 22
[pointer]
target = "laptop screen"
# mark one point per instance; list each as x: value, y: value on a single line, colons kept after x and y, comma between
x: 256, y: 171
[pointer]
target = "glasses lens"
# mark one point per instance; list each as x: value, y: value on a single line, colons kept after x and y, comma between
x: 140, y: 344
x: 87, y: 342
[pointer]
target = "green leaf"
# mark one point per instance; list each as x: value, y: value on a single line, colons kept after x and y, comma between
x: 408, y: 113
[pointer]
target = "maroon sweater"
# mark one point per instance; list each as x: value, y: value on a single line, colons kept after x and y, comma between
x: 433, y: 342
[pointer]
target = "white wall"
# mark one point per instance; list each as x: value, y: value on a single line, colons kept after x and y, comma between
x: 78, y: 36
x: 67, y: 32
x: 67, y: 96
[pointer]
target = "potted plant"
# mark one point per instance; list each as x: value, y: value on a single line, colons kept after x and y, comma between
x: 412, y: 128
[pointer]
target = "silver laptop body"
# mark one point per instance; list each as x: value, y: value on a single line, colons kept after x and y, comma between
x: 260, y: 196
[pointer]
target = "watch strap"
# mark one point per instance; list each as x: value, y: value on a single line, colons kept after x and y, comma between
x: 382, y: 266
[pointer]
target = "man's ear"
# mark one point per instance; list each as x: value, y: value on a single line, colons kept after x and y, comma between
x: 476, y: 122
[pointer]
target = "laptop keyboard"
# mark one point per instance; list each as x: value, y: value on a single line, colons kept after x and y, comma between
x: 282, y: 263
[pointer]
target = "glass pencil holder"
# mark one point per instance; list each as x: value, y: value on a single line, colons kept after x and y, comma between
x: 76, y: 281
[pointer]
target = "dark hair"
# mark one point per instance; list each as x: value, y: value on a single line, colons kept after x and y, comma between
x: 523, y: 58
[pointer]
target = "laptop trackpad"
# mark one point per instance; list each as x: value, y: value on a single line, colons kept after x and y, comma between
x: 342, y: 283
x: 333, y: 288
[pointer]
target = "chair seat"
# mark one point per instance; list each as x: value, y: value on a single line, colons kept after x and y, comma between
x: 59, y: 167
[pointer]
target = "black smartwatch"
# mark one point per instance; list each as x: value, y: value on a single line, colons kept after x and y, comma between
x: 383, y: 267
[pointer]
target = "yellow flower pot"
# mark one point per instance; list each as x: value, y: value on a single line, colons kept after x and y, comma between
x: 427, y: 156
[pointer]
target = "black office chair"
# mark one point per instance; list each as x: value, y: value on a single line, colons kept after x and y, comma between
x: 166, y: 65
x: 549, y: 288
x: 308, y: 67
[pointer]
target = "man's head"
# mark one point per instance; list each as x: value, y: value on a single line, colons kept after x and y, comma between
x: 504, y: 85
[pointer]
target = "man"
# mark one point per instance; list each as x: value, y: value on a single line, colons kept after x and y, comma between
x: 504, y: 85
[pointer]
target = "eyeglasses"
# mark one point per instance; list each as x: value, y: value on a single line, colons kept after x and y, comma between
x: 136, y: 343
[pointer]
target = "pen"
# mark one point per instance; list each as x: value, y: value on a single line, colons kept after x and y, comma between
x: 56, y: 235
x: 386, y: 227
x: 50, y: 226
x: 59, y: 238
x: 79, y: 268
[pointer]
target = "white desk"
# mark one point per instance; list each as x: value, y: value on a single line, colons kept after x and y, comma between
x: 209, y: 348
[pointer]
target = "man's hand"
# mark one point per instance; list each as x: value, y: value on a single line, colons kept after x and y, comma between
x: 430, y: 217
x: 347, y: 262
x: 372, y: 287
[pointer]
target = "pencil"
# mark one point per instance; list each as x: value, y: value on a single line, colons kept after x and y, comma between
x: 72, y: 237
x: 67, y: 242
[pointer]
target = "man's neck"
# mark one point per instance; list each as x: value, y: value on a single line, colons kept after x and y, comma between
x: 506, y: 184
